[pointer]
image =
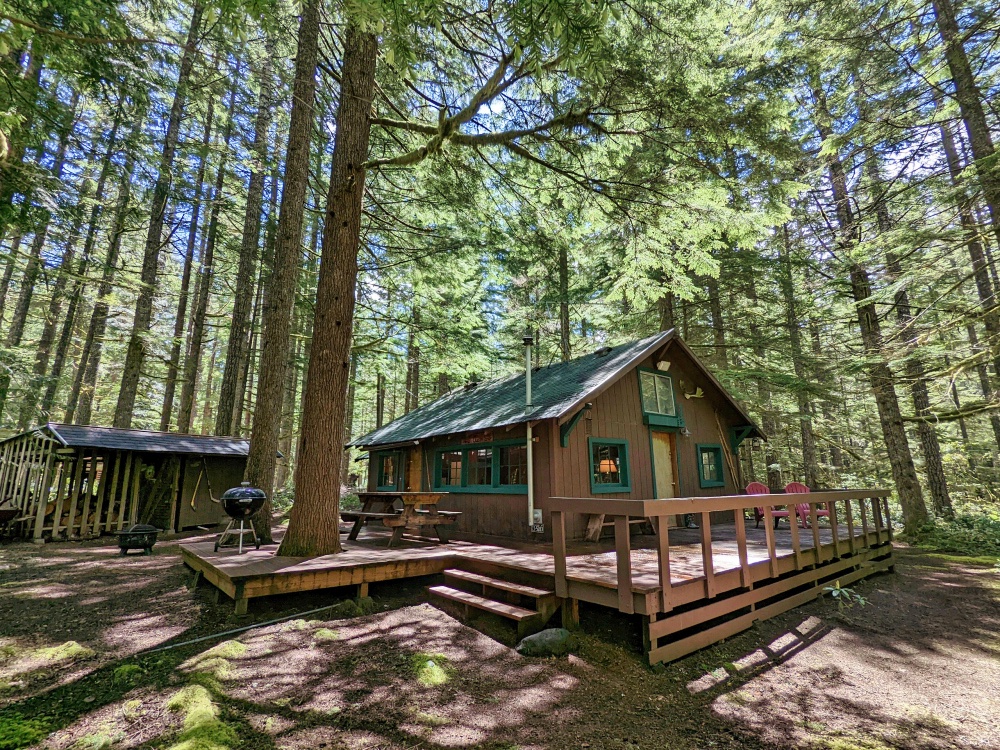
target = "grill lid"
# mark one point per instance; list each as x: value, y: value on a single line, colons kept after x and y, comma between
x: 242, y: 501
x: 244, y: 492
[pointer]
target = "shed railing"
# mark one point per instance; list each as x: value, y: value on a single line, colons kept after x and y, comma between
x: 863, y: 514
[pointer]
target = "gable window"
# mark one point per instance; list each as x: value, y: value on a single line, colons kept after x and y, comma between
x: 659, y: 406
x: 609, y: 469
x: 387, y: 473
x: 710, y: 466
x: 500, y: 466
x: 450, y: 471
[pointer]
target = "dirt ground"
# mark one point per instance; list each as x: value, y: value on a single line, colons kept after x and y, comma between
x: 917, y: 667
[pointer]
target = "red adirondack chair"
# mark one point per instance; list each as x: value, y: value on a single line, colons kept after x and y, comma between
x: 797, y: 488
x: 758, y: 488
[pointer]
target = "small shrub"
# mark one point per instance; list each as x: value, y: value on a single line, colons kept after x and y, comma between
x: 846, y: 598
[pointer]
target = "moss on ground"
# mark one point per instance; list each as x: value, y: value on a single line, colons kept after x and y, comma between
x: 431, y: 670
x: 127, y: 674
x: 325, y: 634
x: 64, y: 652
x: 203, y: 730
x: 16, y: 730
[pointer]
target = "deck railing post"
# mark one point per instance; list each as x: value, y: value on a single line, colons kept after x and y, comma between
x: 663, y: 561
x: 876, y: 519
x: 772, y: 554
x: 707, y: 561
x: 864, y: 521
x: 623, y: 552
x: 793, y: 525
x: 849, y: 515
x: 741, y: 548
x: 831, y: 508
x: 814, y: 525
x: 559, y: 552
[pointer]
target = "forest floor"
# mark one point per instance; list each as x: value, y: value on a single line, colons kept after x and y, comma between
x: 917, y: 667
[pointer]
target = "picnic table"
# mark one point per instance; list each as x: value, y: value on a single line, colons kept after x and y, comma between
x: 419, y: 510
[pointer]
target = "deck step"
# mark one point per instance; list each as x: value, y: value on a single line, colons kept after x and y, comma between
x: 503, y: 609
x: 499, y: 584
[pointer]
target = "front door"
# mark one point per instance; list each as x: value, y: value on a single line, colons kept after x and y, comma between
x: 665, y: 465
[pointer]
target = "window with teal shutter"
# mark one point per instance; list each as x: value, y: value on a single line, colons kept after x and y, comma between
x: 710, y: 465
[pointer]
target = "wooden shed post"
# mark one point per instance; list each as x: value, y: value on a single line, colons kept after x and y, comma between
x: 91, y: 475
x: 42, y: 494
x: 75, y: 494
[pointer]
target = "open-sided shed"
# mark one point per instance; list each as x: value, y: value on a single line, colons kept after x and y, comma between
x: 75, y: 481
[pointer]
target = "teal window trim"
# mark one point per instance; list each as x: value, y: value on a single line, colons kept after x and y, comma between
x: 379, y: 466
x: 656, y: 419
x: 624, y: 470
x: 495, y: 488
x: 716, y: 448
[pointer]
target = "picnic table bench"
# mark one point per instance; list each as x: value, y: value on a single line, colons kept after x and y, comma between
x: 419, y: 511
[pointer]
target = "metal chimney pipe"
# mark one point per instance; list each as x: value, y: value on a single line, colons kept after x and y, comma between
x: 528, y: 343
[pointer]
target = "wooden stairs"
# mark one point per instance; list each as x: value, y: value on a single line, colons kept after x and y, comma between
x: 529, y: 607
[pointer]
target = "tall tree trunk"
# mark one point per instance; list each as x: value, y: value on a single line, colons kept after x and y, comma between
x: 667, y: 312
x: 291, y: 399
x: 970, y: 103
x: 206, y: 414
x: 809, y: 462
x: 882, y: 382
x: 174, y: 363
x: 33, y: 266
x: 206, y: 274
x: 349, y: 416
x: 76, y: 295
x: 412, y: 395
x: 81, y: 397
x: 980, y: 273
x: 227, y: 416
x: 718, y: 328
x: 915, y: 371
x: 136, y: 352
x: 313, y: 527
x: 8, y: 271
x: 280, y: 292
x: 379, y: 400
x: 564, y: 341
x: 45, y: 342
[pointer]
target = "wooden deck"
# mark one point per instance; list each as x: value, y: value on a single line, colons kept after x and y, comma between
x: 722, y: 577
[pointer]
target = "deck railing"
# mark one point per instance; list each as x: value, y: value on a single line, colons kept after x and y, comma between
x: 864, y: 514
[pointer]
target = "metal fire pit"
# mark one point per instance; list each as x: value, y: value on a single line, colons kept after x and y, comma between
x: 240, y: 503
x: 139, y: 536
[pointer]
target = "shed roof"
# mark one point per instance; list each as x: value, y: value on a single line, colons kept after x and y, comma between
x: 557, y: 390
x: 145, y: 441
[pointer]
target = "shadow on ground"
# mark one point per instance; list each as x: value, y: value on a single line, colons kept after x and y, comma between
x: 916, y: 668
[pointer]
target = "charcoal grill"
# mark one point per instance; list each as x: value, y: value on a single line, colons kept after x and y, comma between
x: 240, y: 503
x: 137, y: 536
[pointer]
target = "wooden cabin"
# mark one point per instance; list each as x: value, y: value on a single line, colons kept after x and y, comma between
x: 73, y: 481
x: 641, y: 420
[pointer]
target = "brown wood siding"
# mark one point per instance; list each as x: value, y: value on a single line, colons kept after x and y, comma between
x: 222, y: 474
x: 565, y: 472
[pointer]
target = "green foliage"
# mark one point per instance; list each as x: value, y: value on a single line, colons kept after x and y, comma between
x: 845, y: 597
x: 973, y: 533
x: 16, y: 731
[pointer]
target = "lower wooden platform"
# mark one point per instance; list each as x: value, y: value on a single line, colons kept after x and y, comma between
x: 702, y: 610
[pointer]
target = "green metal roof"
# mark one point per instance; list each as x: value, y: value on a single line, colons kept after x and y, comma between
x: 555, y: 390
